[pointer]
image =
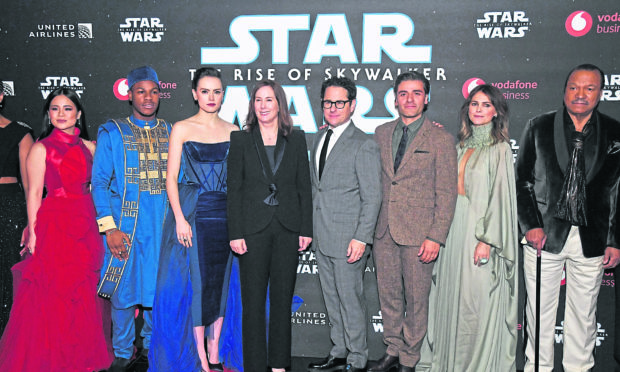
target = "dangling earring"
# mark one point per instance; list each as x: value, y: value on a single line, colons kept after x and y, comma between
x: 78, y: 122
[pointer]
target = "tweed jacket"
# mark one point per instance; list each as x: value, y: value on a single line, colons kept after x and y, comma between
x: 419, y: 200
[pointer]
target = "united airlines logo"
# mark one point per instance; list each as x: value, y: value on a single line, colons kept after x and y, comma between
x: 85, y: 30
x: 309, y: 318
x: 505, y: 24
x: 382, y: 33
x: 8, y: 88
x: 63, y: 31
x: 142, y: 30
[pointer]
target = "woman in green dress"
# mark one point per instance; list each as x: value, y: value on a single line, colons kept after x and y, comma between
x: 473, y: 300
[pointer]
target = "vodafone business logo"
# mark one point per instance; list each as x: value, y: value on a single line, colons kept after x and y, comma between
x: 469, y: 85
x: 578, y: 23
x: 121, y: 89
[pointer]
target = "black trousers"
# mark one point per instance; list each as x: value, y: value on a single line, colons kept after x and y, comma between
x: 271, y: 259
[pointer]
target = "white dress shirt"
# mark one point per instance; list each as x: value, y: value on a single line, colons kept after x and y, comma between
x: 337, y: 132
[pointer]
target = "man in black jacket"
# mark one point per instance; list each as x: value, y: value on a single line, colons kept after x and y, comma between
x: 567, y: 176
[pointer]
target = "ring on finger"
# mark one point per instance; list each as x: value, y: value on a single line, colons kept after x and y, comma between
x: 484, y: 260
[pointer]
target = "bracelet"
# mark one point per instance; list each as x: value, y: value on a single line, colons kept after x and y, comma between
x: 107, y: 233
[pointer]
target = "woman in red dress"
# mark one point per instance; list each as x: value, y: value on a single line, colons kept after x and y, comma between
x: 55, y: 322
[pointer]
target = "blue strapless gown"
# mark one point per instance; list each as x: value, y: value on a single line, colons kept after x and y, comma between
x: 190, y: 281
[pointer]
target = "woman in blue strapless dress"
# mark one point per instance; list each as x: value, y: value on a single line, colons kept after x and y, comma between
x: 195, y: 261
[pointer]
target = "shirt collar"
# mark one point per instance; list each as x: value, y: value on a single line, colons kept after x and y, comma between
x: 416, y: 124
x: 340, y: 129
x: 143, y: 123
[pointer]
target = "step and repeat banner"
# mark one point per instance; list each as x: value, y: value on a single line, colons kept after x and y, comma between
x: 524, y: 50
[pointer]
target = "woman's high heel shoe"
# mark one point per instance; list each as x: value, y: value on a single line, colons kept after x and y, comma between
x: 216, y: 367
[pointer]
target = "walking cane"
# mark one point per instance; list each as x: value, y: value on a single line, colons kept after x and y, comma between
x: 537, y: 327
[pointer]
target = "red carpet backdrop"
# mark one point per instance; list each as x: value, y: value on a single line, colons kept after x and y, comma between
x: 525, y: 50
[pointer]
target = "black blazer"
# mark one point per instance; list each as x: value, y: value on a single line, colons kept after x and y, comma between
x: 542, y: 161
x: 248, y: 185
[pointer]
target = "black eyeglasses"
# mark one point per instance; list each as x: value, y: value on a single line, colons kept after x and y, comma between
x: 339, y: 104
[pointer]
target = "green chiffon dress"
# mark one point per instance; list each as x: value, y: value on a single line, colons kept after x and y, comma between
x: 473, y: 309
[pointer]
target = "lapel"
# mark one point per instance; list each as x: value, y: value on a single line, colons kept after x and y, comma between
x: 262, y: 154
x: 419, y: 139
x: 339, y: 148
x: 593, y: 164
x: 315, y: 151
x: 601, y: 148
x: 279, y: 152
x: 386, y: 148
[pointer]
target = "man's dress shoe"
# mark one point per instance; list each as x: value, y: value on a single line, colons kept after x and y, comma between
x: 386, y: 363
x: 350, y: 368
x: 119, y: 365
x: 328, y: 364
x: 140, y: 363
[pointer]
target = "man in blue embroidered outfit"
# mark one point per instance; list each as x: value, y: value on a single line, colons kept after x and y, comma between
x: 129, y: 190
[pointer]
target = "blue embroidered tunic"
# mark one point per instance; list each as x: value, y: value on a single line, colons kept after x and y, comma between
x: 129, y: 191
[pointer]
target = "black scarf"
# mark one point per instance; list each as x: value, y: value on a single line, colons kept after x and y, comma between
x: 572, y: 204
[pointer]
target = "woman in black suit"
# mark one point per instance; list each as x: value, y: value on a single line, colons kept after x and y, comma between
x: 269, y: 221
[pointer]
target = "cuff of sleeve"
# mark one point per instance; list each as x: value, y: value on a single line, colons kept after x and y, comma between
x: 106, y: 223
x: 359, y: 241
x: 436, y: 241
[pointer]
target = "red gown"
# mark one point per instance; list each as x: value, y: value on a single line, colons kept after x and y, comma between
x: 56, y: 322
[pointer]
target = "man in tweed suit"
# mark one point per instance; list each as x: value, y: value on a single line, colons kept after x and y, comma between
x: 419, y: 179
x: 346, y: 194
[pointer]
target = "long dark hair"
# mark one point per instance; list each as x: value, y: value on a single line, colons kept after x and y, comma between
x: 47, y: 124
x: 285, y: 122
x: 499, y: 133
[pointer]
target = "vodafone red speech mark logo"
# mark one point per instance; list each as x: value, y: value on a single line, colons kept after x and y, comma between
x: 578, y: 23
x: 471, y: 84
x: 121, y: 89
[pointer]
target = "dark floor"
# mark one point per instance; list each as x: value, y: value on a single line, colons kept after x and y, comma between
x: 301, y: 364
x: 298, y: 365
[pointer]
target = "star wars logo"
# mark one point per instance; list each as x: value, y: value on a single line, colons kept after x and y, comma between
x: 377, y: 322
x: 307, y: 263
x: 502, y: 25
x: 601, y: 334
x: 142, y: 30
x: 54, y: 82
x: 330, y: 36
x: 79, y: 30
x: 611, y: 88
x: 8, y: 88
x: 515, y: 149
